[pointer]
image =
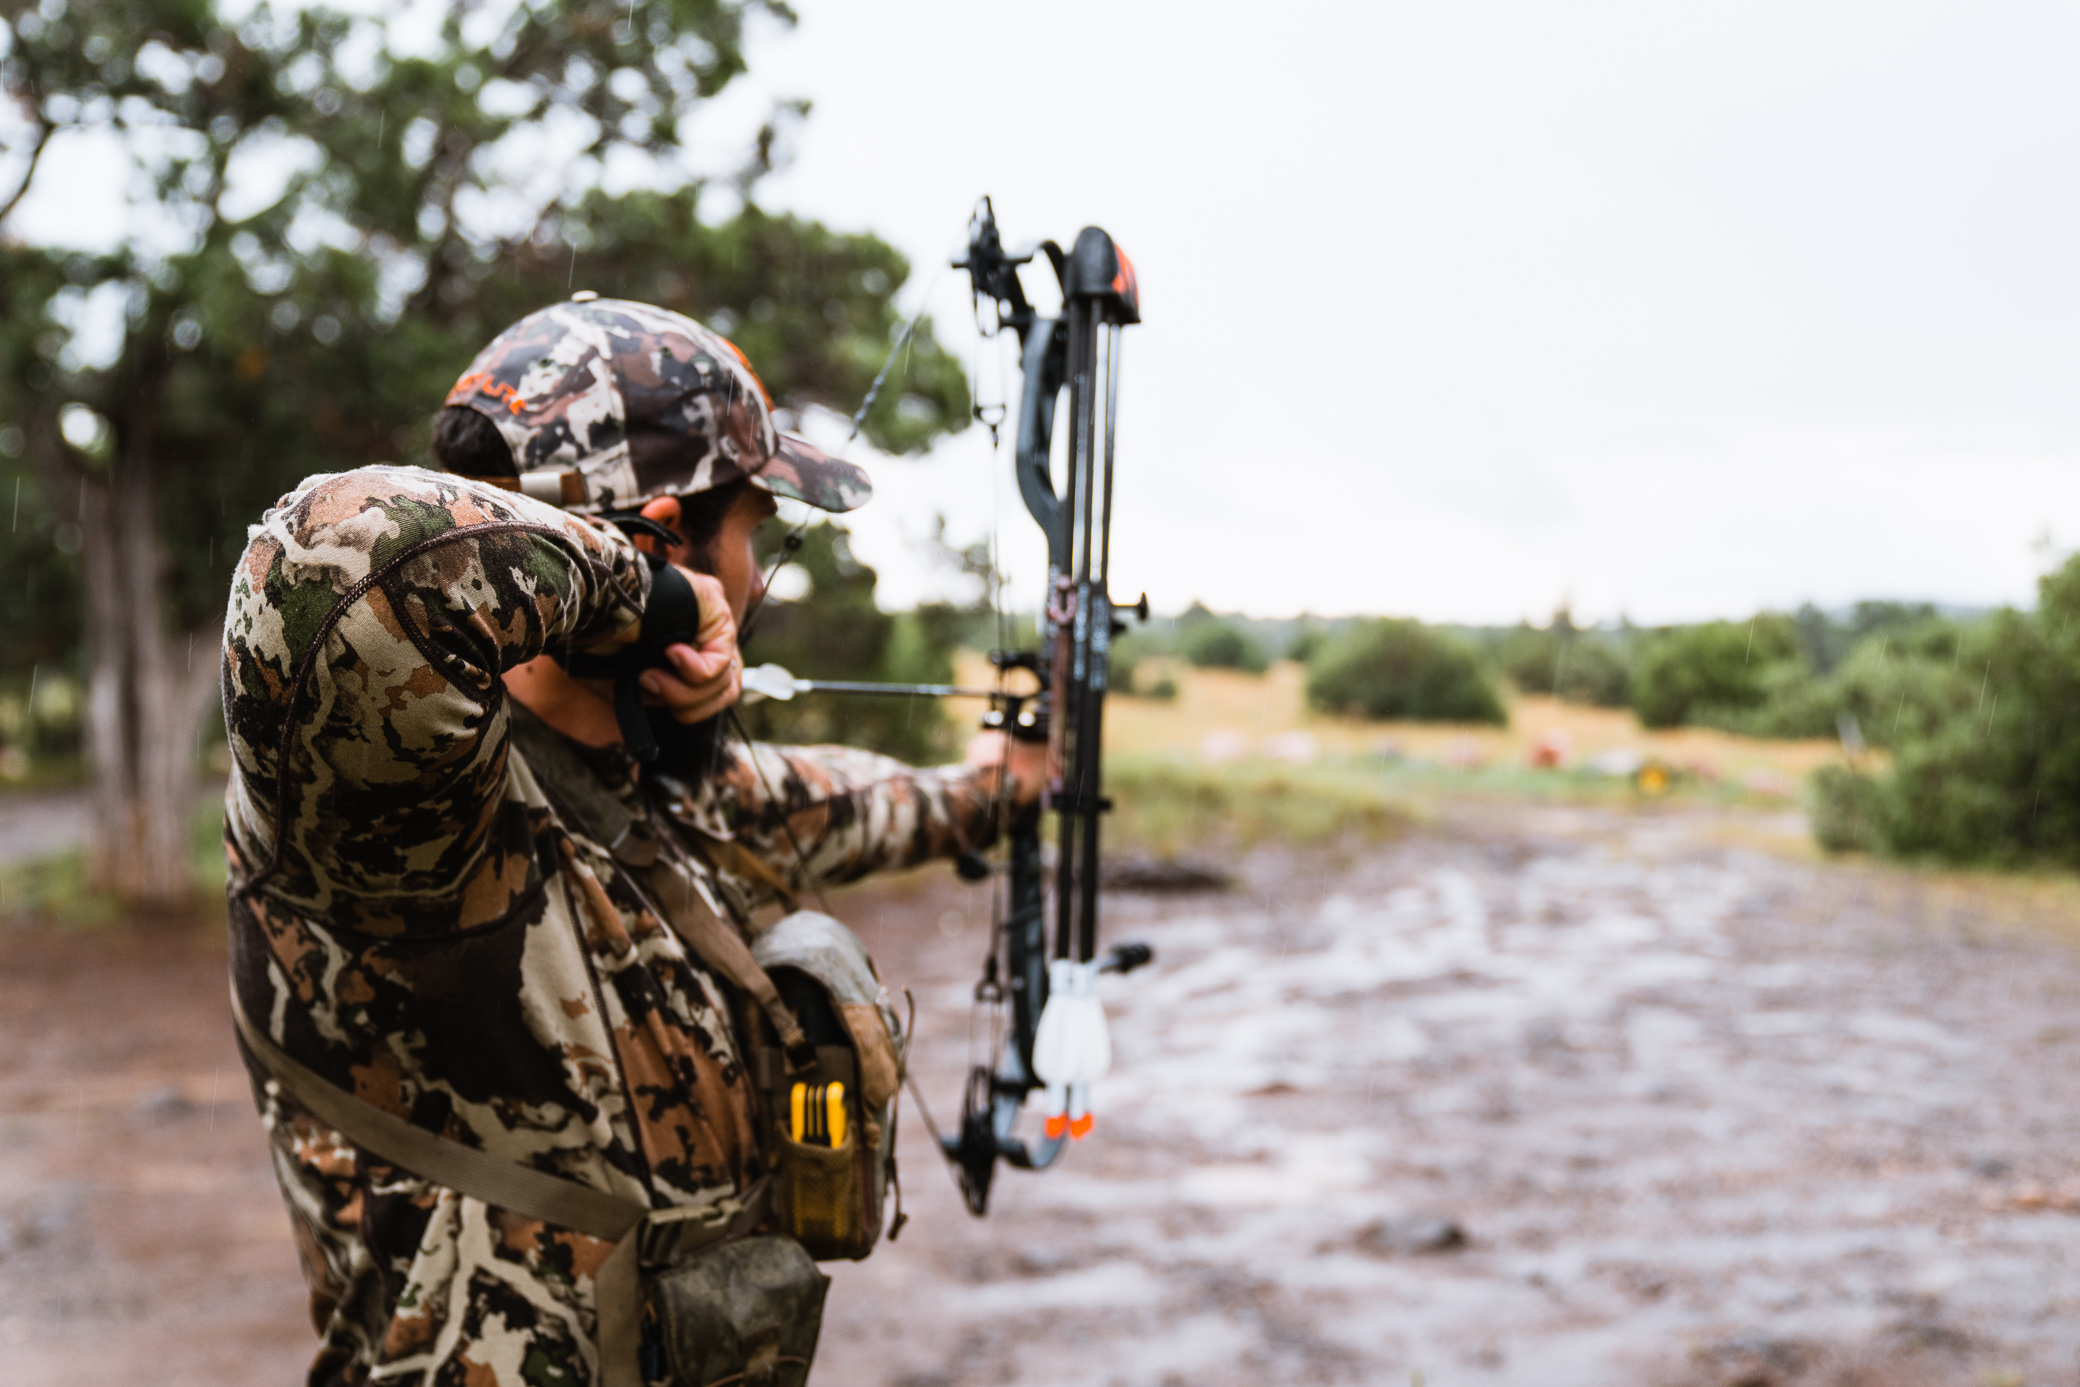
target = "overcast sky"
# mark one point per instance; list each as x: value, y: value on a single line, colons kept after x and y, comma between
x: 1458, y: 309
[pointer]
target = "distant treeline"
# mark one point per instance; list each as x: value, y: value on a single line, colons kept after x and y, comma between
x: 1972, y: 711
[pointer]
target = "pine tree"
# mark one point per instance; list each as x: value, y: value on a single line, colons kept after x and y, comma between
x: 337, y: 211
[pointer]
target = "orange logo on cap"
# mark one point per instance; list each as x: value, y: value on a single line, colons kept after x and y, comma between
x: 483, y: 382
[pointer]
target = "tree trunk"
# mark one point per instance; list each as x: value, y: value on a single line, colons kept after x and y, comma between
x: 146, y: 695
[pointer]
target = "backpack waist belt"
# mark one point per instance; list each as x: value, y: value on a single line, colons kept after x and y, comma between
x: 523, y: 1190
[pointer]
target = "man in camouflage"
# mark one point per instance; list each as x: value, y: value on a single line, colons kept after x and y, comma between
x: 417, y: 921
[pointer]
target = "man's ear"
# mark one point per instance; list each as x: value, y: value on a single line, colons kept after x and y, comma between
x: 665, y: 511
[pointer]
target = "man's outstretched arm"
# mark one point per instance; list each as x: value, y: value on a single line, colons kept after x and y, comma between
x: 852, y: 812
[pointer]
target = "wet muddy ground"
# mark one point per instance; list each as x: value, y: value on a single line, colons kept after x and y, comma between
x: 1541, y: 1096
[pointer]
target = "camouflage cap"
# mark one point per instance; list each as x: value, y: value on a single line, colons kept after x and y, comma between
x: 607, y: 403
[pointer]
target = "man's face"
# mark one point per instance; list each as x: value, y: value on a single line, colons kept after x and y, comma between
x: 731, y: 557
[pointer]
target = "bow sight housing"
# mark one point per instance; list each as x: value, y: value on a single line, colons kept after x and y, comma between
x: 1077, y: 352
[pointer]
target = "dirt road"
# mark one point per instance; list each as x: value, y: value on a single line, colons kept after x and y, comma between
x: 1535, y: 1096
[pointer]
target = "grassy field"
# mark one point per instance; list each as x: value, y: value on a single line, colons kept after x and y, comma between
x: 1240, y: 757
x: 1222, y: 716
x: 1237, y: 759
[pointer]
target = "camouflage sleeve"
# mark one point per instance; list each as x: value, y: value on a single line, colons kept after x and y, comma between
x: 371, y: 618
x: 852, y: 812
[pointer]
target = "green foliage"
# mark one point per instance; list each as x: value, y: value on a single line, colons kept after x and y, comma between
x: 1826, y: 642
x: 1902, y: 688
x: 1789, y: 701
x: 1307, y: 642
x: 39, y: 554
x: 1845, y: 807
x: 319, y: 331
x: 1718, y: 665
x: 1899, y: 683
x: 1392, y: 668
x: 58, y: 888
x: 1985, y: 751
x: 1569, y: 663
x: 1222, y: 644
x: 1123, y: 661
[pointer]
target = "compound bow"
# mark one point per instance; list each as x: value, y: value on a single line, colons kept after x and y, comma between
x: 1077, y: 352
x: 1064, y: 704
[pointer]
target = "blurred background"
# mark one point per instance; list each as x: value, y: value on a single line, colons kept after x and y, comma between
x: 1552, y: 427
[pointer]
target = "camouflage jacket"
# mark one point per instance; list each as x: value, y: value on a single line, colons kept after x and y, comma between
x: 412, y: 918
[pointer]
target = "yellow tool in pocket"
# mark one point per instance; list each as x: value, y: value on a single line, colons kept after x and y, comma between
x: 817, y: 1114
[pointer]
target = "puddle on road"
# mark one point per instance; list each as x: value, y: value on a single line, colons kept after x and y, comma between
x: 1682, y: 1098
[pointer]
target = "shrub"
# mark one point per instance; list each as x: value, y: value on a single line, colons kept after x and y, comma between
x: 1986, y: 753
x: 1402, y: 669
x: 1221, y: 644
x: 1902, y: 688
x: 1309, y: 641
x: 1903, y: 682
x: 1579, y: 666
x: 1792, y: 703
x: 1718, y: 665
x: 1123, y: 661
x: 1845, y: 808
x: 1826, y: 641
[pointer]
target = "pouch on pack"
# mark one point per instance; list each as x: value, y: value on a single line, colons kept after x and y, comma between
x: 832, y: 1128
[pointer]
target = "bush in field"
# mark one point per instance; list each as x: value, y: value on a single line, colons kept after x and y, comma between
x: 1579, y: 666
x: 1986, y: 751
x: 1718, y: 665
x: 1307, y: 642
x: 1123, y: 661
x: 1218, y: 644
x: 1402, y: 669
x: 1791, y: 702
x: 1846, y: 808
x: 1902, y: 688
x: 1826, y: 640
x: 1899, y: 680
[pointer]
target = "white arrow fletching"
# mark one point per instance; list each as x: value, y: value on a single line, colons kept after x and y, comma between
x: 769, y: 681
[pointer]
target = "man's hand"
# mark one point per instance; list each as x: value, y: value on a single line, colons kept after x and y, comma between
x: 703, y: 679
x: 1027, y: 765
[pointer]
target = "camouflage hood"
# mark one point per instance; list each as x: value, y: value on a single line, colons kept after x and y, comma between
x: 606, y: 403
